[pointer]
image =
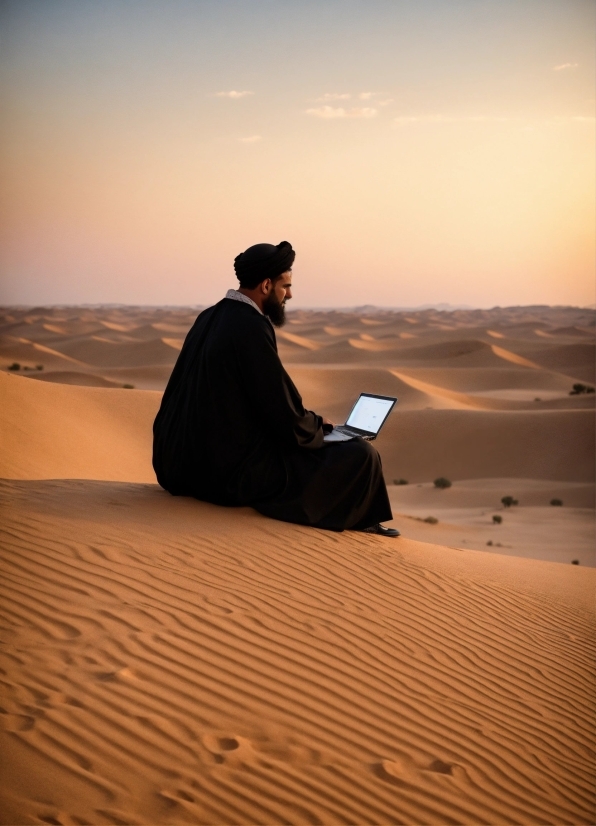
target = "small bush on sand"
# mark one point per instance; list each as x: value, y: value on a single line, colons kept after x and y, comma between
x: 556, y: 502
x: 128, y: 386
x: 497, y: 519
x: 575, y: 561
x: 39, y: 366
x: 508, y: 501
x: 490, y: 542
x: 579, y: 388
x: 442, y: 483
x: 15, y: 366
x: 400, y: 481
x: 432, y: 520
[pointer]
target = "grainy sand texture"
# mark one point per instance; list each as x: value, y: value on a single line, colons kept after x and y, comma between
x: 166, y: 661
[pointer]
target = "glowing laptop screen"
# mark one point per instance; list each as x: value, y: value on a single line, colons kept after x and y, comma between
x: 369, y: 413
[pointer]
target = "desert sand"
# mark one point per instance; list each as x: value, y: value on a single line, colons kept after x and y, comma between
x: 169, y: 661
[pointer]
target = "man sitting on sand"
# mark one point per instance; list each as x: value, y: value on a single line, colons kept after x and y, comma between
x: 232, y: 428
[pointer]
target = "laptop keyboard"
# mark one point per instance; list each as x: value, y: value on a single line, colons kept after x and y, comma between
x: 347, y: 431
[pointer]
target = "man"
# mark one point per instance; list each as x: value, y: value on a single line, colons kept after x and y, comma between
x: 232, y: 428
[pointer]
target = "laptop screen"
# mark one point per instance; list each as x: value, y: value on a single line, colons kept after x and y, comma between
x: 370, y: 412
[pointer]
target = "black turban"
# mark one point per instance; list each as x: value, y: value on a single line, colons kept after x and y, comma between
x: 263, y: 261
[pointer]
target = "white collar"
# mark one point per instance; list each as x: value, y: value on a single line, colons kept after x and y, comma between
x: 236, y: 295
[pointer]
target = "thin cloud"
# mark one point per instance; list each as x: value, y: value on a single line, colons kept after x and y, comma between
x: 563, y: 66
x: 334, y: 96
x: 367, y: 95
x: 251, y: 139
x: 233, y: 94
x: 402, y: 119
x: 331, y: 112
x: 441, y: 118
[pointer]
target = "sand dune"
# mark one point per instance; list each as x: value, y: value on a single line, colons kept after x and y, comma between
x: 466, y: 444
x: 32, y: 353
x: 71, y: 377
x: 569, y: 357
x: 301, y: 341
x: 176, y: 665
x: 53, y: 431
x: 420, y: 444
x: 101, y: 352
x: 463, y: 517
x: 166, y: 661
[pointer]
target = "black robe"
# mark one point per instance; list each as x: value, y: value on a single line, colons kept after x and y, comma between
x: 232, y: 430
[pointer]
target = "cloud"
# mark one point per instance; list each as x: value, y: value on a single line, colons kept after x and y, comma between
x: 251, y: 139
x: 385, y: 102
x: 331, y: 112
x: 402, y: 119
x: 334, y: 96
x: 563, y: 66
x: 439, y: 118
x: 233, y: 94
x: 367, y: 95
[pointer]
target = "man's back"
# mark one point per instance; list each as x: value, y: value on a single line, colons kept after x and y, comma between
x: 230, y: 411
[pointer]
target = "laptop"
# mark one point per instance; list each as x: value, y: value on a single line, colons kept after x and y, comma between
x: 368, y: 416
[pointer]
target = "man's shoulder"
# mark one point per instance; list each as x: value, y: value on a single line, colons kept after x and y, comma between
x: 233, y: 322
x: 244, y: 316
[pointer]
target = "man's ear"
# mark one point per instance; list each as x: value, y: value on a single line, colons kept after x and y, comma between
x: 266, y: 286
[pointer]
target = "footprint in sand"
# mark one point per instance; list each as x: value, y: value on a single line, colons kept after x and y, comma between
x: 229, y: 748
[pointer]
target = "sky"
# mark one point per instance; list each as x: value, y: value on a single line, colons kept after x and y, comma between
x: 411, y: 152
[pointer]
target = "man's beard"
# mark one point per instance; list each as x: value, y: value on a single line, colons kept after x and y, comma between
x: 275, y: 310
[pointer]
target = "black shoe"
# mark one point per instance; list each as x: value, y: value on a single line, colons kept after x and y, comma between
x: 381, y: 530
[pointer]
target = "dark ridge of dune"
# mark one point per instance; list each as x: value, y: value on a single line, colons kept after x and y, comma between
x: 465, y: 444
x: 31, y: 353
x: 505, y: 376
x: 71, y: 377
x: 575, y: 332
x: 566, y: 355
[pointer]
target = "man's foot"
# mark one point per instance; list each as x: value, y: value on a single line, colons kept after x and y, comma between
x: 381, y: 530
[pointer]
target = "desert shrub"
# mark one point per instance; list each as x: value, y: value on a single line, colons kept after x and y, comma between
x: 432, y: 520
x: 442, y: 483
x: 508, y: 501
x: 497, y: 519
x: 128, y: 386
x: 575, y: 561
x: 39, y: 366
x: 579, y: 388
x: 537, y: 399
x: 15, y: 366
x: 400, y: 481
x: 556, y: 502
x: 490, y: 542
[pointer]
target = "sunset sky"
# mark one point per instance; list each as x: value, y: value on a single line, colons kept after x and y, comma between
x: 411, y: 152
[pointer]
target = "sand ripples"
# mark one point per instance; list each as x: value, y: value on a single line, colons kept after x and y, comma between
x: 166, y: 661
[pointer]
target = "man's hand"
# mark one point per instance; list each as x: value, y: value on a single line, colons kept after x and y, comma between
x: 327, y: 425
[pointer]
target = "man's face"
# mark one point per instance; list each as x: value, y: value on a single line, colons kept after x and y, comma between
x: 274, y: 305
